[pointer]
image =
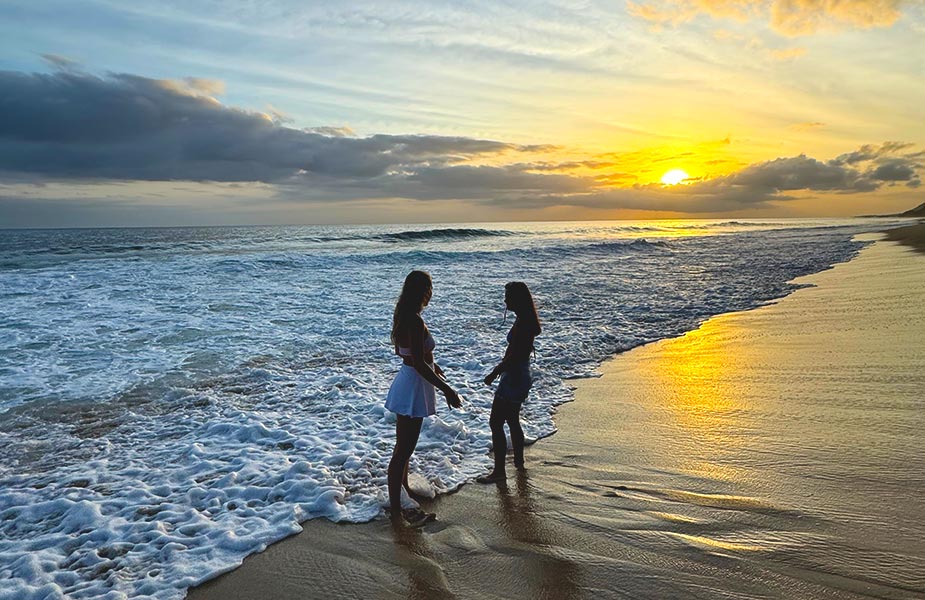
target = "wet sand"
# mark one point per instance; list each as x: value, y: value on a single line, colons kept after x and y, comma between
x: 911, y: 235
x: 774, y: 453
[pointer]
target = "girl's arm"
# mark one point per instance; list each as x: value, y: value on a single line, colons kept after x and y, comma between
x: 502, y: 366
x: 417, y: 333
x: 518, y: 350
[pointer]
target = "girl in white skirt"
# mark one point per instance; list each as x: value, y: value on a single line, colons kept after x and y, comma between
x: 412, y: 395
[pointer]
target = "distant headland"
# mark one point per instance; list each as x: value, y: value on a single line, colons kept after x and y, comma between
x: 918, y: 211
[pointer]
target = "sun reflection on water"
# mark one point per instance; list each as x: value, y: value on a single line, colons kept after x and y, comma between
x: 698, y: 379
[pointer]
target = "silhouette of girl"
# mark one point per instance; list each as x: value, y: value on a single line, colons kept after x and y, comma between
x: 412, y: 396
x: 516, y: 380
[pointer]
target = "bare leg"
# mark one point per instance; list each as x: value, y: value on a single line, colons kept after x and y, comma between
x: 498, y: 442
x: 517, y: 434
x: 407, y: 430
x: 414, y: 442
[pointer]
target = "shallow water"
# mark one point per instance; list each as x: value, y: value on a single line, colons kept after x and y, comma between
x: 175, y: 399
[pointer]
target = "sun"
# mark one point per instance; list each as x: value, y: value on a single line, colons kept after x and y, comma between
x: 674, y: 177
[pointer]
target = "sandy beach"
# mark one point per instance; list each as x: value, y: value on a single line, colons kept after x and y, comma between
x: 774, y: 453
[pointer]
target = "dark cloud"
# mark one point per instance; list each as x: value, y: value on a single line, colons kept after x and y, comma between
x: 864, y: 170
x: 894, y: 171
x: 869, y: 152
x: 799, y: 173
x: 886, y: 162
x: 76, y: 125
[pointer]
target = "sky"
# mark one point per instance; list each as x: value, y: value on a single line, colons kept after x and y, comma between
x: 202, y: 112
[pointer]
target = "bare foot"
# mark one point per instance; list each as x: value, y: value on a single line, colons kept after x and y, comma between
x: 415, y: 517
x: 493, y: 477
x: 412, y: 517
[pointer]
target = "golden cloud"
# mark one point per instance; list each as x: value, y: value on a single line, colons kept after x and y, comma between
x: 788, y: 17
x: 193, y: 86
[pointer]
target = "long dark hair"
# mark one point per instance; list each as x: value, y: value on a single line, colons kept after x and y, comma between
x: 521, y: 302
x: 410, y: 302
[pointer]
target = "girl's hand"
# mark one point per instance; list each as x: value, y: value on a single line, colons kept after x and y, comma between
x: 490, y: 378
x: 452, y: 398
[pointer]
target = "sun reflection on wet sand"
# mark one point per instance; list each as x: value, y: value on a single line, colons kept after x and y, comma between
x: 798, y: 422
x: 700, y: 394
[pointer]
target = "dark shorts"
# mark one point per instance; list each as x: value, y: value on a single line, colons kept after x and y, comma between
x: 515, y: 383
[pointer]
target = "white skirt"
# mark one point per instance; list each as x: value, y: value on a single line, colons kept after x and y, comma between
x: 411, y: 395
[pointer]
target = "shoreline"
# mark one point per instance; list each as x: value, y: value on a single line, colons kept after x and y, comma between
x: 545, y: 524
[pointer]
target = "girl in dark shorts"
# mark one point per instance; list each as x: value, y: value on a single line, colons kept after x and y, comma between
x: 516, y: 380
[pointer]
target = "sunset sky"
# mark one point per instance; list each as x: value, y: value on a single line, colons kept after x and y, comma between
x: 205, y: 112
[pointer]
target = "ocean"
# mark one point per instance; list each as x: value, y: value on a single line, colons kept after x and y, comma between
x: 172, y: 400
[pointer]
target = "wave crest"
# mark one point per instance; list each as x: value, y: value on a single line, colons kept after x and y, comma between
x: 442, y: 234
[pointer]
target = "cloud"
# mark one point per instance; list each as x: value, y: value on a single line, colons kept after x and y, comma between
x: 63, y: 63
x: 802, y: 17
x: 869, y: 152
x: 887, y: 162
x: 332, y: 131
x: 799, y: 173
x: 868, y: 168
x: 197, y: 85
x: 126, y: 127
x: 76, y: 127
x: 894, y: 171
x: 788, y: 17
